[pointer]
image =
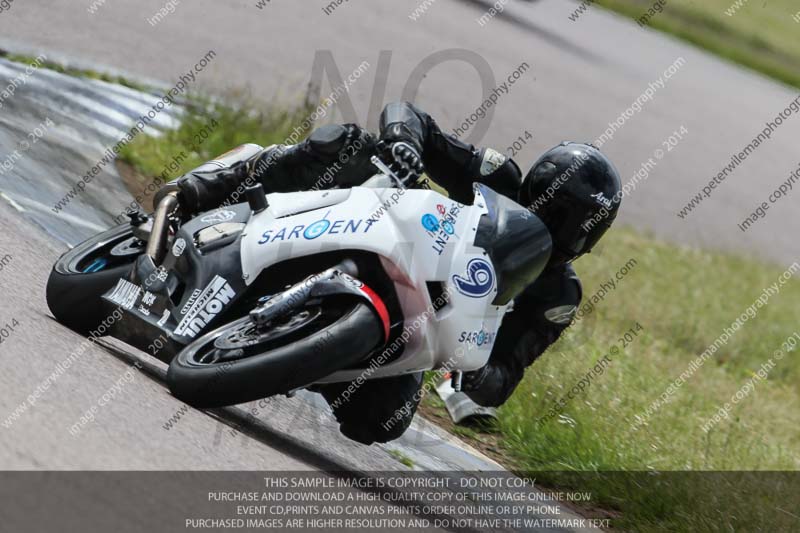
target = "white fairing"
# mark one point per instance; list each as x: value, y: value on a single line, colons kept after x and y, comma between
x: 392, y: 224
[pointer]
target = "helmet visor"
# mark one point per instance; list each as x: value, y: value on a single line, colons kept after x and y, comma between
x: 574, y: 233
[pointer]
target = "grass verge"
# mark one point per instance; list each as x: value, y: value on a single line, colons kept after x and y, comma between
x: 402, y: 458
x: 76, y: 72
x: 205, y: 134
x: 683, y: 299
x: 759, y: 35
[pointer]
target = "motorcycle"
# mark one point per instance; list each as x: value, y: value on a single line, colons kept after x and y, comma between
x: 291, y: 290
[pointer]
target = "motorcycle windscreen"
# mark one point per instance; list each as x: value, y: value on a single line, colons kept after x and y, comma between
x: 517, y: 242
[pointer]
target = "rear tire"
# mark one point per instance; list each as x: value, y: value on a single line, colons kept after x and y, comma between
x: 73, y: 295
x: 346, y: 337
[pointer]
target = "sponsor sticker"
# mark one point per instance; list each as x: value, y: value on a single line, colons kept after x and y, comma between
x: 125, y: 294
x: 162, y: 274
x: 191, y: 300
x: 430, y: 222
x: 148, y: 299
x: 601, y: 199
x: 441, y: 229
x: 206, y: 307
x: 477, y: 338
x: 315, y: 230
x: 223, y: 215
x: 178, y: 247
x: 479, y: 279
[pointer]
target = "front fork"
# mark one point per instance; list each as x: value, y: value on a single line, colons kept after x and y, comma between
x: 298, y: 294
x: 157, y: 243
x: 338, y: 280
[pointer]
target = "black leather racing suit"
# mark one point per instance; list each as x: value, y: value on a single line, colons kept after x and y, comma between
x: 540, y: 313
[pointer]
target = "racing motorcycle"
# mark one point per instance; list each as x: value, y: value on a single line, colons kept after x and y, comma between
x: 289, y: 290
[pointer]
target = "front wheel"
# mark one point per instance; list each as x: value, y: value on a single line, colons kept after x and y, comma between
x: 240, y: 362
x: 82, y: 275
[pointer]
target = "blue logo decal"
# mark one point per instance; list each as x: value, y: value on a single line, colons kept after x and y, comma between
x: 430, y: 222
x: 479, y: 280
x: 442, y: 230
x: 316, y: 229
x: 477, y: 338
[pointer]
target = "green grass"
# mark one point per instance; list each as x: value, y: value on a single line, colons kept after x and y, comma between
x: 223, y: 126
x: 401, y: 458
x: 76, y: 72
x: 683, y: 298
x: 762, y: 35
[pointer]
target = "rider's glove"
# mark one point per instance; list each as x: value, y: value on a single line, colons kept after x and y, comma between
x: 404, y: 158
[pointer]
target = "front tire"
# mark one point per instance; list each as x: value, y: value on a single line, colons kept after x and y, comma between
x: 82, y: 275
x: 238, y: 363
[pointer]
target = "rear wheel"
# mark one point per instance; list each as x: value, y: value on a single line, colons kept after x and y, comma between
x: 82, y: 275
x: 241, y: 362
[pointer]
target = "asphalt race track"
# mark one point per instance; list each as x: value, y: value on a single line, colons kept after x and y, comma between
x: 581, y: 76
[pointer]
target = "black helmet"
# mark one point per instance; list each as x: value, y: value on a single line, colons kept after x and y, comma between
x: 576, y: 192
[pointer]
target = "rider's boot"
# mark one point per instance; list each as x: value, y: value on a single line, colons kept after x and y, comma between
x: 380, y: 410
x: 334, y: 155
x: 209, y: 185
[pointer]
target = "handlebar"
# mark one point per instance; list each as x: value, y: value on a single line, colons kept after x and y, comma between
x: 387, y: 171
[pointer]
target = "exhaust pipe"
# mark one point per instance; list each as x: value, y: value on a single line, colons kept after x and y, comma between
x: 157, y: 244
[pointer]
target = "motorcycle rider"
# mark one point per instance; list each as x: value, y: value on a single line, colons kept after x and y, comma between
x: 567, y: 187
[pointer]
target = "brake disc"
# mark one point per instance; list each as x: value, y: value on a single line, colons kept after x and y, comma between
x: 248, y: 334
